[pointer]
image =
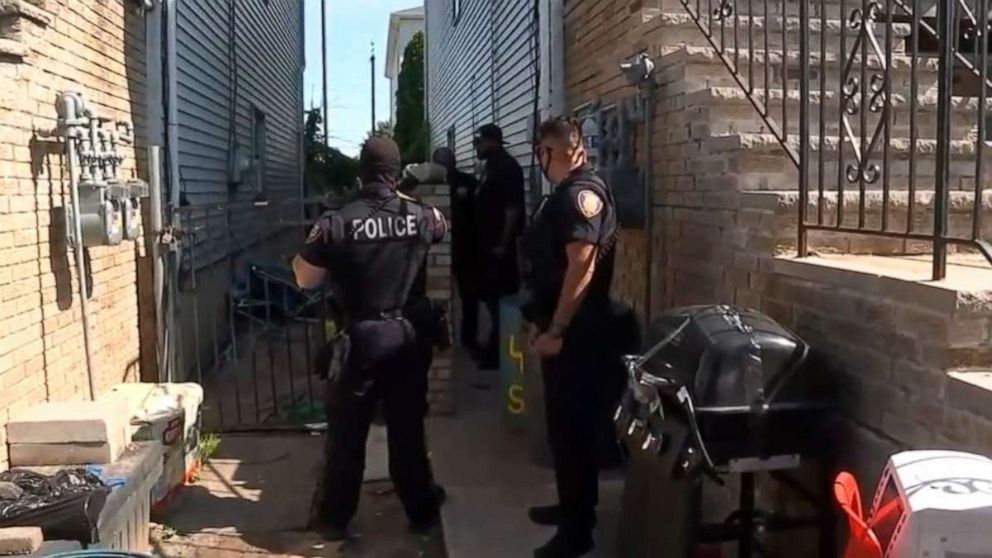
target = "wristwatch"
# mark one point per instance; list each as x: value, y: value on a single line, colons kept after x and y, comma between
x: 557, y: 330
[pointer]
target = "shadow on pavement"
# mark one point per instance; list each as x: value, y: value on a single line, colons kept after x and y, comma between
x: 253, y: 499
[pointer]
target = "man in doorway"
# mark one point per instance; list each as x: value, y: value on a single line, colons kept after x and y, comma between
x: 500, y: 216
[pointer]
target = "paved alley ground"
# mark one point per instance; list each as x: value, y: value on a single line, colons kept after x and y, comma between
x: 492, y: 480
x: 253, y: 499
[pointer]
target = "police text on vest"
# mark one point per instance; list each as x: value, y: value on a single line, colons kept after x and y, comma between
x: 384, y: 227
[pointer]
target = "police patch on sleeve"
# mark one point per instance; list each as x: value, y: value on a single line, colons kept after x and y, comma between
x: 589, y: 203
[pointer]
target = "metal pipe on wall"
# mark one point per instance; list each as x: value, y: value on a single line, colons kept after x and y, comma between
x: 158, y: 265
x: 70, y: 108
x: 172, y: 99
x: 648, y: 98
x: 323, y: 56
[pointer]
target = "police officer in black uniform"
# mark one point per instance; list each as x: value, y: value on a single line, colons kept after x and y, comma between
x: 371, y: 250
x: 567, y: 267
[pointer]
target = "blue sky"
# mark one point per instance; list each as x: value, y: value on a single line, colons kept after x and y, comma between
x: 351, y: 26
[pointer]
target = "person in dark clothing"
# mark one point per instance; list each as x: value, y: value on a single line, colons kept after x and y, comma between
x: 500, y: 216
x: 464, y: 250
x: 372, y: 249
x: 567, y: 256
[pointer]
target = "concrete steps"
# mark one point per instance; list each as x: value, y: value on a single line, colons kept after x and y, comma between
x: 724, y: 110
x: 758, y: 162
x: 672, y: 28
x: 743, y: 7
x: 783, y: 205
x: 695, y: 68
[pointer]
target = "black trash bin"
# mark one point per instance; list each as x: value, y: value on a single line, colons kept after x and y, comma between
x: 720, y: 392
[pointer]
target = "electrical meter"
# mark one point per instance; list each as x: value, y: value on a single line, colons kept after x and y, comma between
x: 129, y: 196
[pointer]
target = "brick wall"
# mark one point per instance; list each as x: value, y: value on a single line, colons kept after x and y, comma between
x: 440, y: 287
x: 47, y: 46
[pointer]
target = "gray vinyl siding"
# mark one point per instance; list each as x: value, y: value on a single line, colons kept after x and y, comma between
x: 481, y: 70
x: 268, y: 46
x: 268, y: 60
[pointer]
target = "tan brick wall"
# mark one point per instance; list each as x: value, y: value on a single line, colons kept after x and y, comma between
x: 93, y: 46
x: 440, y: 287
x: 597, y: 38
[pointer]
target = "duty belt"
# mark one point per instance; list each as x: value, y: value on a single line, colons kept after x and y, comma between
x: 378, y: 315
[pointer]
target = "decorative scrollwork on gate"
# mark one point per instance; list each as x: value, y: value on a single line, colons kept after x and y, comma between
x: 725, y: 10
x: 867, y: 58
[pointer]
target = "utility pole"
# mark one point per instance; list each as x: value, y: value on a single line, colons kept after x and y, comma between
x: 372, y: 64
x: 323, y: 54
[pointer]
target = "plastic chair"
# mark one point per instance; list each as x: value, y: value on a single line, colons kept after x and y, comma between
x: 862, y: 541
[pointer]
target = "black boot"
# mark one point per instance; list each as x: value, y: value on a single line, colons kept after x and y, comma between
x: 566, y: 545
x: 424, y: 525
x: 545, y: 515
x: 331, y: 532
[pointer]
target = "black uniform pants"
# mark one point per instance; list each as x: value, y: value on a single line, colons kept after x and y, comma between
x: 572, y: 397
x: 491, y: 351
x: 469, y: 328
x: 387, y: 363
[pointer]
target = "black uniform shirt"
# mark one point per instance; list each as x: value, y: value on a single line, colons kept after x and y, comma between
x: 464, y: 231
x: 580, y: 209
x: 502, y: 188
x: 373, y: 248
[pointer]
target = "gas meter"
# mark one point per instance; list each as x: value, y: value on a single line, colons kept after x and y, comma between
x: 100, y: 215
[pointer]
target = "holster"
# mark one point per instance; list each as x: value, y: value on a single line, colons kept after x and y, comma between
x: 430, y: 320
x: 332, y: 359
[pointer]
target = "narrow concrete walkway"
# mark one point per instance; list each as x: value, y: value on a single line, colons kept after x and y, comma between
x: 491, y: 480
x: 253, y: 499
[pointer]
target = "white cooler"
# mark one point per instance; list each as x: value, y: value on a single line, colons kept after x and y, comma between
x: 170, y: 414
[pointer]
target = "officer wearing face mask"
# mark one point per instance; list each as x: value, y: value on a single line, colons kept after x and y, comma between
x: 372, y: 250
x: 567, y: 267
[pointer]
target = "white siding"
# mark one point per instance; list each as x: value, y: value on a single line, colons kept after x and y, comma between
x: 489, y: 39
x: 269, y: 63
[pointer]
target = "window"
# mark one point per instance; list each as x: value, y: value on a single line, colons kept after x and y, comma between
x: 456, y: 10
x: 258, y: 148
x: 451, y: 138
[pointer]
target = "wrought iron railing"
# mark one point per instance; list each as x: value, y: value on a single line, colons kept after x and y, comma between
x: 881, y: 105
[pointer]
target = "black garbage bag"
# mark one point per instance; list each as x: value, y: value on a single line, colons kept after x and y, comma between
x: 65, y: 505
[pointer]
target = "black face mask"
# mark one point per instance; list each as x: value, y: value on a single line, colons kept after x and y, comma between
x: 544, y: 161
x: 379, y: 162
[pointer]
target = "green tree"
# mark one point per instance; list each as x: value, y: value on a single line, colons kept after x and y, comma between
x: 411, y: 132
x: 327, y: 171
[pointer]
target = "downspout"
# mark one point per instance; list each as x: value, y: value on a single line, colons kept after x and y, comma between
x: 428, y: 129
x: 158, y: 264
x: 171, y: 95
x: 649, y: 89
x: 172, y: 154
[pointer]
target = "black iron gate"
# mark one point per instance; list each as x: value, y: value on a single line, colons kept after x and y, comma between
x: 882, y: 105
x: 236, y: 323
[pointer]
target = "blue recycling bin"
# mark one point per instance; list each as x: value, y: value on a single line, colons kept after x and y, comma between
x: 513, y: 344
